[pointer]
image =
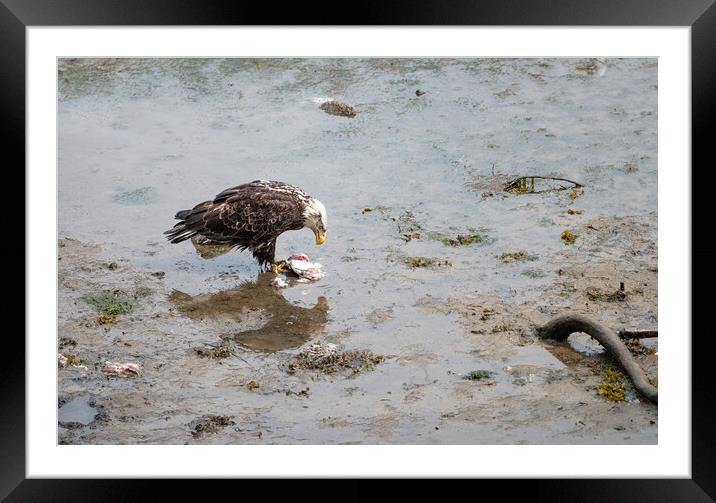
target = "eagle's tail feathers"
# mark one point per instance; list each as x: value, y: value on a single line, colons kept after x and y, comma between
x: 179, y: 233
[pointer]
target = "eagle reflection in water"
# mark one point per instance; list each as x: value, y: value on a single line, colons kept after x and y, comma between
x: 281, y: 324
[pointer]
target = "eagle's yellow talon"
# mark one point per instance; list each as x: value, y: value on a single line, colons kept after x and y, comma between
x: 279, y: 266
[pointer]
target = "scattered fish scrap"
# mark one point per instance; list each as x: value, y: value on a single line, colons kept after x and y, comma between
x: 278, y: 282
x: 304, y: 268
x: 121, y: 369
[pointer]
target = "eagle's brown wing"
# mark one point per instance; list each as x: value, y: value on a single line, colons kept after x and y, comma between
x: 249, y: 216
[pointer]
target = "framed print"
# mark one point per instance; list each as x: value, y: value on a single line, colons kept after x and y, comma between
x: 380, y: 250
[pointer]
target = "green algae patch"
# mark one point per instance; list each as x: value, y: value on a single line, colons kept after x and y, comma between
x: 478, y: 375
x: 104, y: 319
x: 110, y: 303
x: 354, y: 361
x: 210, y: 424
x: 534, y: 273
x: 611, y: 387
x: 471, y: 237
x: 568, y: 237
x: 517, y: 256
x: 596, y: 294
x: 425, y: 262
x: 214, y: 353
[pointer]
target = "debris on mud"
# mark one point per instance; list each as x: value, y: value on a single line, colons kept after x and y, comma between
x: 526, y: 185
x: 110, y: 304
x: 278, y: 282
x: 516, y: 256
x: 636, y: 348
x: 319, y: 350
x: 504, y: 94
x: 252, y: 385
x: 379, y: 207
x: 419, y: 93
x: 596, y: 294
x: 637, y: 333
x: 612, y: 386
x: 425, y: 262
x: 210, y: 424
x: 574, y: 194
x: 304, y: 268
x: 213, y: 352
x: 121, y: 369
x: 596, y: 66
x: 328, y: 360
x: 334, y: 107
x: 408, y: 226
x: 64, y: 360
x: 478, y: 375
x: 473, y: 236
x: 533, y: 273
x: 570, y: 211
x: 568, y: 237
x: 66, y: 341
x: 630, y: 167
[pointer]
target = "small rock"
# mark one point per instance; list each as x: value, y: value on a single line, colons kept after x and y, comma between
x: 337, y: 108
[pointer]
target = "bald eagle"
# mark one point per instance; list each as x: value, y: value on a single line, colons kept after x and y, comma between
x: 251, y: 216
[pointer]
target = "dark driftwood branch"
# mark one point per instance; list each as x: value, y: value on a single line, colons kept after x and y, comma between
x: 637, y: 333
x: 561, y: 327
x: 516, y: 182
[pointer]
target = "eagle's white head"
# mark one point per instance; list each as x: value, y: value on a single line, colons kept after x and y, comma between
x: 314, y: 217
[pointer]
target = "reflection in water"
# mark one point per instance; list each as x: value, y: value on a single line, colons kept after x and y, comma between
x: 285, y: 325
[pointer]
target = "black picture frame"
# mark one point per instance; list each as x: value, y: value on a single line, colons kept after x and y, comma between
x: 700, y: 15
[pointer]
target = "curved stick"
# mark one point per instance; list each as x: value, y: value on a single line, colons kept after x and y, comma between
x: 514, y: 183
x: 562, y: 326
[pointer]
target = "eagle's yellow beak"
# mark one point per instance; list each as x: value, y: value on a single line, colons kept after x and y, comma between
x: 320, y: 237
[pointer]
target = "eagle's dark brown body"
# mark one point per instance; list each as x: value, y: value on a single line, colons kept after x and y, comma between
x: 249, y: 216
